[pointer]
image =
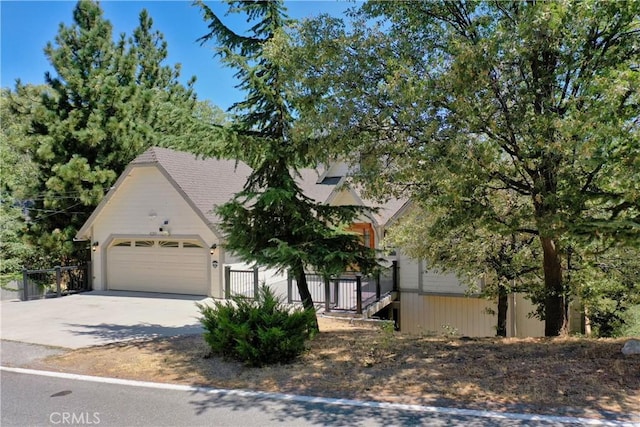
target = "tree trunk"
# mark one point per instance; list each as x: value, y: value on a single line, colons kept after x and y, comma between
x: 303, y: 290
x: 555, y: 319
x: 501, y: 329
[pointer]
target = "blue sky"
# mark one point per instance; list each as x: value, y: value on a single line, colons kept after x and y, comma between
x: 27, y: 26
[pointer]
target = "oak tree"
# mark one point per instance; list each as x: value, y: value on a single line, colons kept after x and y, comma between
x: 454, y: 102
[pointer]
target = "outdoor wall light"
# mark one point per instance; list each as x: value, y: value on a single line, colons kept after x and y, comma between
x: 213, y: 248
x: 94, y: 246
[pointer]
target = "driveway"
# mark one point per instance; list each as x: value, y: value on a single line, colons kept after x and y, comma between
x: 95, y: 318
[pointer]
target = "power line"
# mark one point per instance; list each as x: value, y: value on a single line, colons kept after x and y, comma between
x: 60, y: 196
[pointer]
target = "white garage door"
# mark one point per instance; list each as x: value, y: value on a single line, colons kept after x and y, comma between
x: 172, y: 266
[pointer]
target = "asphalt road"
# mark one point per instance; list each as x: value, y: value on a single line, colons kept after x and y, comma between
x: 44, y: 400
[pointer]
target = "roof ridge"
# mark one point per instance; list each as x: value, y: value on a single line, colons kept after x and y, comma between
x: 148, y: 156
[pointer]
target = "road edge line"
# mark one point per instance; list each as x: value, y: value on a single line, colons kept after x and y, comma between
x: 327, y: 400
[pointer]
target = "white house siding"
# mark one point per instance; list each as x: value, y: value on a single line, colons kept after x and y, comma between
x: 408, y: 273
x: 434, y: 282
x: 468, y: 316
x: 142, y: 203
x: 523, y: 325
x: 415, y: 276
x: 346, y: 198
x: 436, y: 303
x: 439, y: 315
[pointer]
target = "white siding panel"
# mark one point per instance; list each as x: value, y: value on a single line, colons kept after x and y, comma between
x: 144, y: 201
x: 409, y: 272
x: 414, y: 276
x: 338, y: 169
x: 434, y: 282
x: 346, y: 198
x: 431, y: 314
x: 526, y: 326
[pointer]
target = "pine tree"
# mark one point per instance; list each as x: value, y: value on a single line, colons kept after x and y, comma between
x: 107, y: 102
x: 17, y: 173
x: 271, y: 222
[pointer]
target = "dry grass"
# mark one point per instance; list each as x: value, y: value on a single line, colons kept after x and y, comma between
x: 365, y: 362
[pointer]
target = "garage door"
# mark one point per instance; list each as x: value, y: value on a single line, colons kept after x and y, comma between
x: 172, y: 266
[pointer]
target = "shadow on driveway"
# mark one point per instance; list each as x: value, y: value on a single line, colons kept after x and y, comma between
x: 96, y: 318
x: 115, y: 332
x: 145, y: 295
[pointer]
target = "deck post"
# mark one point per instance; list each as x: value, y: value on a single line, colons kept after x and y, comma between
x: 395, y: 275
x: 358, y: 293
x: 289, y: 287
x: 327, y: 295
x: 378, y: 290
x: 256, y: 285
x: 227, y: 281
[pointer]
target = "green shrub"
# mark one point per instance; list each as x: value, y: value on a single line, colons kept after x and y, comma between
x: 631, y: 327
x: 257, y: 332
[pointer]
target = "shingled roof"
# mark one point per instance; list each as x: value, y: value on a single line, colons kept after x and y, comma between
x: 206, y: 182
x: 210, y: 182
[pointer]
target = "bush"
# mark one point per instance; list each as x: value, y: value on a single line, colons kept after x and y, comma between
x: 631, y: 327
x: 257, y: 332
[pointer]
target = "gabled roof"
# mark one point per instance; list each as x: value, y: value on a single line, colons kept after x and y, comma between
x: 386, y: 210
x: 312, y: 186
x: 207, y: 183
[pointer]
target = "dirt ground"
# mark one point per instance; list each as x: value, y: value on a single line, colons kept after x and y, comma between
x: 592, y: 377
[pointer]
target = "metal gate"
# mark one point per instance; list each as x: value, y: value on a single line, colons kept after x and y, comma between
x: 55, y: 282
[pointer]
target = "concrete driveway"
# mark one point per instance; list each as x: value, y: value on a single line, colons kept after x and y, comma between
x: 95, y: 318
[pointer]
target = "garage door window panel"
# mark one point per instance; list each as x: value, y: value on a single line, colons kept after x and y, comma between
x: 169, y: 244
x: 159, y: 266
x: 192, y: 245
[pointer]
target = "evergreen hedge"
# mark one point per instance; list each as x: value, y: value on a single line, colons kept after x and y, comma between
x: 258, y: 331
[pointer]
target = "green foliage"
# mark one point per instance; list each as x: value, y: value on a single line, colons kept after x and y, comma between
x: 463, y: 105
x: 608, y: 285
x: 631, y: 326
x: 106, y: 103
x: 17, y: 173
x: 271, y: 222
x: 257, y: 332
x: 388, y: 329
x: 503, y: 263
